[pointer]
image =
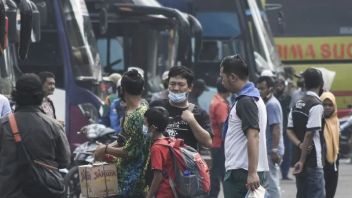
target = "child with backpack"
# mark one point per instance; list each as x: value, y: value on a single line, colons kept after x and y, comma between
x: 155, y: 121
x: 179, y: 170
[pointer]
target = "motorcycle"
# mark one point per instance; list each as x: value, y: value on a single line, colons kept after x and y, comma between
x: 83, y: 154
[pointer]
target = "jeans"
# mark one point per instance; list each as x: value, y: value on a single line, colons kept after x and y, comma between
x: 286, y: 160
x: 272, y: 180
x: 235, y: 183
x: 217, y: 170
x: 310, y: 183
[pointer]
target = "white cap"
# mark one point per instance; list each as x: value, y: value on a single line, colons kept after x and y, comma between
x: 165, y: 75
x: 267, y: 72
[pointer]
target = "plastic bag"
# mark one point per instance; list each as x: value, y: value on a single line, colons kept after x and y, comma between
x: 258, y: 193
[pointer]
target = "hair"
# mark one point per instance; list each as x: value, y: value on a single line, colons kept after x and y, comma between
x: 312, y: 78
x: 182, y: 71
x: 132, y: 82
x: 235, y: 64
x: 28, y: 90
x: 269, y: 81
x: 220, y: 87
x: 45, y: 75
x: 157, y: 116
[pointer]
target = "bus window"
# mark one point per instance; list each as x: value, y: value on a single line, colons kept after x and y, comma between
x: 114, y: 61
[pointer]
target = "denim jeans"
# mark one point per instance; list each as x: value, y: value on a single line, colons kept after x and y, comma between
x: 310, y: 183
x: 272, y: 180
x: 217, y: 170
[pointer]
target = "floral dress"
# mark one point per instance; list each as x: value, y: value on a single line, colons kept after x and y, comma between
x: 131, y: 170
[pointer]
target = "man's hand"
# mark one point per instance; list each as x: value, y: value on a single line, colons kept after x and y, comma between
x: 308, y: 149
x: 275, y: 158
x: 298, y: 168
x: 253, y: 182
x: 99, y: 152
x: 187, y: 116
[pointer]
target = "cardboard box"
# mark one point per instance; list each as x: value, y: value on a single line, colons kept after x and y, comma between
x: 98, y: 180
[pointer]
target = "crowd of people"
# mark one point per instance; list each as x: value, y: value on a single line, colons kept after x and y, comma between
x: 255, y: 131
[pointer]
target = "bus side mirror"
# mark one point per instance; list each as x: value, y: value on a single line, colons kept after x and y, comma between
x: 12, y: 21
x: 36, y: 34
x: 3, y: 30
x: 26, y: 28
x: 42, y: 8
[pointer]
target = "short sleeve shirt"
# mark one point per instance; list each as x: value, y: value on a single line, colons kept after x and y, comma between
x: 178, y: 128
x: 274, y: 114
x: 161, y: 160
x: 4, y: 106
x: 218, y: 112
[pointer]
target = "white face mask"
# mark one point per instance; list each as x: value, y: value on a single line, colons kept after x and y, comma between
x: 145, y: 129
x: 177, y: 97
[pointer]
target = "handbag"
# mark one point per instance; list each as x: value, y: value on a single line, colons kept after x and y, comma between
x: 39, y: 179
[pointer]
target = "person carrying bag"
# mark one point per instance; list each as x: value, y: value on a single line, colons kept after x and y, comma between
x: 32, y: 146
x: 40, y: 179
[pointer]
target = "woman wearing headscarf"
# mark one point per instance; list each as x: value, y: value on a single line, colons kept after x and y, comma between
x: 331, y: 135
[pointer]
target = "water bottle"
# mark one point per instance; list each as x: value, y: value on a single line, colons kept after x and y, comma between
x: 186, y: 173
x: 188, y: 181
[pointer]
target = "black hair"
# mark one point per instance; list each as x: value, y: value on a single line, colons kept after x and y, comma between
x: 28, y: 90
x: 157, y: 116
x: 132, y: 82
x: 235, y: 64
x: 45, y: 75
x: 269, y: 80
x: 312, y: 78
x: 220, y: 87
x: 182, y: 71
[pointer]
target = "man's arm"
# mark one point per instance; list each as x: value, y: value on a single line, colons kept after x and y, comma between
x: 248, y: 112
x: 157, y: 179
x: 275, y: 128
x: 253, y: 158
x: 199, y: 132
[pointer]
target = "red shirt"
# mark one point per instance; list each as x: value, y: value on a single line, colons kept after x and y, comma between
x: 161, y: 160
x: 218, y: 111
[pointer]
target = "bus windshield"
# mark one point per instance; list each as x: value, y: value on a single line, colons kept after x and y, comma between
x: 264, y: 48
x: 85, y: 57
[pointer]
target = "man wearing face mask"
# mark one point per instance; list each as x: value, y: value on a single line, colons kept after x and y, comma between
x: 304, y: 130
x: 187, y: 121
x: 274, y: 138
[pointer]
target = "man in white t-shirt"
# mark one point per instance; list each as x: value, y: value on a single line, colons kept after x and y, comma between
x: 244, y: 131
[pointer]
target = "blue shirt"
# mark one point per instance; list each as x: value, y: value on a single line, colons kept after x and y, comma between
x: 274, y: 114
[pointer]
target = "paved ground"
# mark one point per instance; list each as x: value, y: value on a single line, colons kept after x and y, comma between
x: 344, y: 187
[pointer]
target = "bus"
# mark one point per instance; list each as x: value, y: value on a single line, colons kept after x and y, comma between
x: 145, y: 34
x: 231, y: 27
x: 316, y: 33
x: 68, y: 49
x: 15, y: 39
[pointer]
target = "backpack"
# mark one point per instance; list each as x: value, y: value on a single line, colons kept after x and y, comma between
x: 191, y: 172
